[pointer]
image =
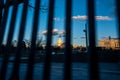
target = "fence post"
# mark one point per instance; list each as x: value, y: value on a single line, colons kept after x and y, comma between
x: 1, y: 9
x: 31, y: 60
x: 68, y: 46
x: 92, y: 53
x: 118, y: 23
x: 47, y: 65
x: 16, y: 65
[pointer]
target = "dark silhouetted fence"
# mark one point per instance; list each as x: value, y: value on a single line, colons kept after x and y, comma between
x: 92, y: 57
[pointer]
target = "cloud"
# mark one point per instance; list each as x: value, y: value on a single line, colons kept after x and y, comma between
x: 44, y: 32
x: 54, y: 32
x: 56, y: 19
x: 84, y: 17
x: 103, y: 18
x: 62, y: 32
x: 79, y: 17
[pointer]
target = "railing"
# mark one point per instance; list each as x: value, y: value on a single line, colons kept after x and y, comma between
x: 92, y: 57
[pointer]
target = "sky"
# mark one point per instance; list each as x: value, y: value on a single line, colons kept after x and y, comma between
x: 106, y: 24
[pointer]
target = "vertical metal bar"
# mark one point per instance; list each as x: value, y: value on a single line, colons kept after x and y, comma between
x: 16, y: 66
x: 9, y: 40
x: 118, y: 16
x: 47, y: 65
x: 4, y: 21
x: 31, y: 62
x: 1, y: 9
x: 118, y: 24
x: 68, y: 46
x: 93, y: 60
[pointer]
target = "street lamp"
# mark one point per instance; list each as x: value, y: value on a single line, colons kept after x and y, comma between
x: 85, y: 30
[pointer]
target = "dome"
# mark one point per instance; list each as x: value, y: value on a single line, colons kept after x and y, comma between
x: 59, y: 42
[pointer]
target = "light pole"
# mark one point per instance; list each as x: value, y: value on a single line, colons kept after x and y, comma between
x: 85, y: 30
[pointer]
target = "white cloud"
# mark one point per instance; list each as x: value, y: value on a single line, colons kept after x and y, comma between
x: 56, y: 19
x: 44, y: 32
x: 62, y: 32
x: 54, y: 32
x: 103, y: 18
x: 79, y: 17
x: 84, y: 17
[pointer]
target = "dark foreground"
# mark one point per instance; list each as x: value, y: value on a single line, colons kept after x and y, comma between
x: 109, y: 66
x: 108, y: 71
x: 58, y: 56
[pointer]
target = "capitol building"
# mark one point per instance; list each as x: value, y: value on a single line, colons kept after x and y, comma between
x: 60, y: 43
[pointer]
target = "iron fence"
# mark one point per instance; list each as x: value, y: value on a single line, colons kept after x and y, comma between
x: 92, y: 57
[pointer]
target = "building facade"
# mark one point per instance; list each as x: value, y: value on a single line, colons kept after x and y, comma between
x: 113, y: 43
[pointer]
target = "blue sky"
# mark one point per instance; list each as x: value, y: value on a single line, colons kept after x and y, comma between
x: 105, y: 20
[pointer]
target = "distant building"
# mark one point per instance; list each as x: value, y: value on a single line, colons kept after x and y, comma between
x: 112, y: 43
x: 60, y: 43
x: 75, y: 46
